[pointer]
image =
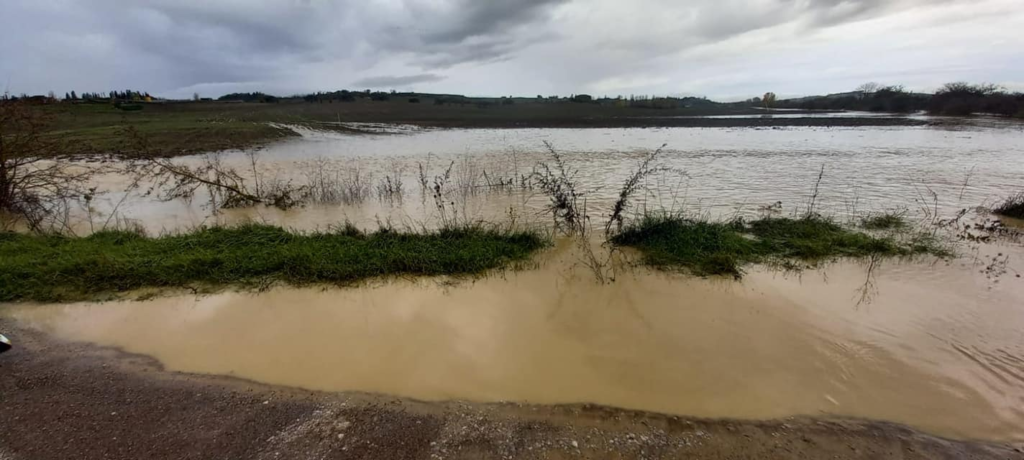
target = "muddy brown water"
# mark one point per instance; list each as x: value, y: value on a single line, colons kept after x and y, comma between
x: 720, y: 172
x: 935, y: 346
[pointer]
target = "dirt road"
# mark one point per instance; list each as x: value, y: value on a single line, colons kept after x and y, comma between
x: 64, y: 400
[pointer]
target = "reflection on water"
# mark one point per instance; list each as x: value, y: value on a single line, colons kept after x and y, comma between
x: 719, y: 171
x: 939, y: 348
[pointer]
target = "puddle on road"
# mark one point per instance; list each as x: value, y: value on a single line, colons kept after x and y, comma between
x: 938, y: 348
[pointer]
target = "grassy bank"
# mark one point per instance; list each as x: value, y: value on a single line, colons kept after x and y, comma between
x: 57, y: 268
x: 722, y: 248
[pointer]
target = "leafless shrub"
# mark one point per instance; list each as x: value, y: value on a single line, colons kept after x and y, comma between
x: 467, y: 174
x: 567, y: 204
x: 498, y: 183
x: 330, y: 183
x: 168, y: 179
x: 814, y: 193
x: 38, y: 182
x: 422, y: 177
x: 390, y: 187
x: 568, y: 208
x: 448, y: 213
x: 647, y: 167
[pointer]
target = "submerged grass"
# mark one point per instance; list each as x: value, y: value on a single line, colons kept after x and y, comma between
x: 715, y: 248
x: 884, y: 221
x: 58, y: 268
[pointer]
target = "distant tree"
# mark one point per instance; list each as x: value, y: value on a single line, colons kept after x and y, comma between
x: 869, y: 87
x: 962, y: 99
x: 74, y: 97
x: 768, y: 100
x: 67, y: 97
x: 583, y: 98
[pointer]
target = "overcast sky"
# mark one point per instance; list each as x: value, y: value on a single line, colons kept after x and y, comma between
x: 723, y: 49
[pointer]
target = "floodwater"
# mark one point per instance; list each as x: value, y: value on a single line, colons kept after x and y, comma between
x: 933, y: 345
x: 720, y: 172
x: 936, y: 346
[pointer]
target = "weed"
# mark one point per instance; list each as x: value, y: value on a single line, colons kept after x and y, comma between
x: 566, y: 203
x: 327, y: 182
x: 889, y: 220
x: 647, y: 167
x: 391, y: 188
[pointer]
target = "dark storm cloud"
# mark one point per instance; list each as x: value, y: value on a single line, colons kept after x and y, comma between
x: 460, y: 31
x: 392, y: 81
x: 465, y: 19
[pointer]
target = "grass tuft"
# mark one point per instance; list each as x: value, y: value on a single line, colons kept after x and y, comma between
x: 1012, y: 206
x: 56, y: 268
x: 705, y: 248
x: 715, y: 248
x: 891, y: 220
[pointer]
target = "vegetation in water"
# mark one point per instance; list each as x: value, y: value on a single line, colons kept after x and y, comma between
x: 889, y: 220
x: 58, y: 268
x: 1012, y: 206
x: 722, y: 248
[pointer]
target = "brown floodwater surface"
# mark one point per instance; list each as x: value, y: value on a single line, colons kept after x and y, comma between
x: 721, y: 172
x: 936, y: 346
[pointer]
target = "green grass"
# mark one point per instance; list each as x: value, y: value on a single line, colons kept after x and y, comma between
x: 715, y: 248
x: 884, y: 221
x: 1012, y: 207
x: 57, y: 268
x: 98, y: 128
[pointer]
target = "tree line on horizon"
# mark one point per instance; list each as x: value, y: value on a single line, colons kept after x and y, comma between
x: 952, y: 99
x: 115, y: 95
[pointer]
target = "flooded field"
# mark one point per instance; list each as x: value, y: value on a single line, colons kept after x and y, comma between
x: 936, y: 347
x: 929, y: 343
x: 719, y: 172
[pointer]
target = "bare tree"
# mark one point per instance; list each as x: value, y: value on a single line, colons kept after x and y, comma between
x: 37, y: 180
x: 869, y: 87
x: 768, y: 100
x: 227, y: 187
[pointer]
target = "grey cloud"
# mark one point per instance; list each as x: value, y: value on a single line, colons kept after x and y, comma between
x: 538, y: 45
x: 465, y: 19
x: 393, y: 81
x: 462, y: 31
